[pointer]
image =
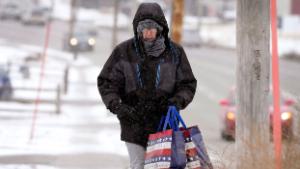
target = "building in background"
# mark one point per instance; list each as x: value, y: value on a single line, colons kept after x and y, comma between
x: 295, y: 7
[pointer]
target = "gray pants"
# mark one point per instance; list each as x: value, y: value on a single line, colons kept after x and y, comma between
x: 136, y: 155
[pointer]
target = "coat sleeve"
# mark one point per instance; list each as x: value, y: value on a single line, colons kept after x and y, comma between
x: 186, y: 83
x: 111, y: 80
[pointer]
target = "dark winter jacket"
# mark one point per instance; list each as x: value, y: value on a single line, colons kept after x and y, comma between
x: 134, y: 78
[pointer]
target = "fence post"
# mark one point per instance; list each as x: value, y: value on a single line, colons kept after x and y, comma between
x: 58, y: 100
x: 66, y: 80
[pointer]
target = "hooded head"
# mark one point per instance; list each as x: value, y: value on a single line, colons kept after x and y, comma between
x: 151, y: 11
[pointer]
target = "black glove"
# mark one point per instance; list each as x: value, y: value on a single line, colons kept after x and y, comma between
x: 177, y: 101
x: 164, y: 106
x: 123, y: 111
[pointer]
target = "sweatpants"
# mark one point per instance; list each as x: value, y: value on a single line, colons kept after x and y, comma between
x: 136, y: 155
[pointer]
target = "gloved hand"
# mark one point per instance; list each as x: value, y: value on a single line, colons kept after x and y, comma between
x: 164, y: 106
x: 124, y: 111
x: 177, y: 101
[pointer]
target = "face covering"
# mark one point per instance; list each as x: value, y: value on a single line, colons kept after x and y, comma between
x: 156, y: 47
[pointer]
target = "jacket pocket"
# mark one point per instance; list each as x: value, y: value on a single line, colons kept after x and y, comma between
x: 167, y: 77
x: 130, y: 77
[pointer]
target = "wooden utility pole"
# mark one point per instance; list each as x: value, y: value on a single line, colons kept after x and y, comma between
x: 177, y: 20
x: 72, y: 17
x: 253, y: 77
x: 72, y: 22
x: 115, y: 26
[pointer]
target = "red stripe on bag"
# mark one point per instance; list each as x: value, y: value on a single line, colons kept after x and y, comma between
x: 186, y: 133
x: 191, y: 152
x: 157, y: 153
x: 162, y: 134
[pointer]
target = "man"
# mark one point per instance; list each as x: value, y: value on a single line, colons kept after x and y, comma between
x: 142, y: 77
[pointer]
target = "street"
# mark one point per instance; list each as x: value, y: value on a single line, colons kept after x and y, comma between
x: 214, y: 69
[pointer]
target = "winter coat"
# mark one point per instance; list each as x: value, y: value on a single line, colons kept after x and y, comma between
x: 134, y: 78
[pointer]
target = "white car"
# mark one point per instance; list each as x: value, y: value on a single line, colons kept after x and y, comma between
x: 190, y: 34
x: 191, y: 38
x: 10, y: 10
x: 37, y: 15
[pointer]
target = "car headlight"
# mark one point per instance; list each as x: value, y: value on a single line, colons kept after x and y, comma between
x: 230, y: 116
x: 92, y: 41
x: 286, y: 115
x: 73, y: 41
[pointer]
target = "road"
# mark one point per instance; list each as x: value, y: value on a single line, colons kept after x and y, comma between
x: 214, y: 69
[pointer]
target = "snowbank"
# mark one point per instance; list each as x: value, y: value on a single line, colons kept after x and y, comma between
x: 99, y: 18
x: 224, y: 34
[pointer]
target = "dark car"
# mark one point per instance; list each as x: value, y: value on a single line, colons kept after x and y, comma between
x: 6, y: 91
x: 229, y: 110
x: 79, y: 42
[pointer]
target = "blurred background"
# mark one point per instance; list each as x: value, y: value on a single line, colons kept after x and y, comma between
x: 51, y: 115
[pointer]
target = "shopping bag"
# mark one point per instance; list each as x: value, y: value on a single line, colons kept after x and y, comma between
x: 197, y: 139
x: 166, y: 148
x: 196, y: 153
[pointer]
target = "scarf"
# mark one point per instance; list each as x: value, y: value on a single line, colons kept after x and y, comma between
x: 155, y: 48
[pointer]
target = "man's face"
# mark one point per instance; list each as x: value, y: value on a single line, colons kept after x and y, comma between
x: 149, y: 34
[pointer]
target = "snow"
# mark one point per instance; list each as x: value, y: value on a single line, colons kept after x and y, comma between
x: 224, y: 34
x: 291, y: 23
x: 78, y: 129
x: 27, y: 167
x: 99, y: 18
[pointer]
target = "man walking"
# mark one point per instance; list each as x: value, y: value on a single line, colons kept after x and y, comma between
x: 142, y: 77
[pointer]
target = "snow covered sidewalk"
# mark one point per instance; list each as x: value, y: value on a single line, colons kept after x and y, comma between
x: 82, y: 136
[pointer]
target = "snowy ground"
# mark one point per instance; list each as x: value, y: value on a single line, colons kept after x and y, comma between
x: 101, y: 18
x: 79, y: 129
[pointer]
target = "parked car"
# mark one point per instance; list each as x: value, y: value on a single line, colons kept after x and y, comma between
x: 228, y: 115
x: 191, y: 35
x: 80, y: 41
x: 6, y: 91
x: 37, y: 15
x: 10, y: 10
x: 228, y: 15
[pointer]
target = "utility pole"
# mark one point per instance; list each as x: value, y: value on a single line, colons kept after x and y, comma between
x: 72, y: 24
x: 199, y: 16
x: 253, y: 77
x: 177, y: 20
x: 115, y: 26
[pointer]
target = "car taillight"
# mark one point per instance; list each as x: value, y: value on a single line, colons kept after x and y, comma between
x: 286, y: 115
x: 230, y: 116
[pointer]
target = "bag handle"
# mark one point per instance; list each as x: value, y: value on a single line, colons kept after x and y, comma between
x: 177, y: 118
x: 173, y: 119
x: 167, y: 119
